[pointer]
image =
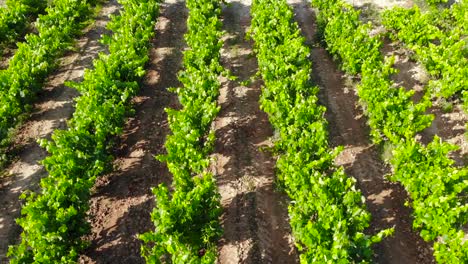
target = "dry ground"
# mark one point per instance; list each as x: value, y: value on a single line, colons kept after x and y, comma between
x: 255, y: 216
x: 54, y: 107
x: 122, y: 200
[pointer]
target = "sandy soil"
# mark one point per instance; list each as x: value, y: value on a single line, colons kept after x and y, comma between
x: 451, y: 127
x: 255, y: 221
x: 380, y: 3
x: 54, y: 107
x: 360, y: 158
x: 255, y: 218
x: 5, y: 55
x: 122, y: 200
x: 448, y: 125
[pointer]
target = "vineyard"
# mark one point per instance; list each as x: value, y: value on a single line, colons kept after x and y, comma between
x: 234, y: 131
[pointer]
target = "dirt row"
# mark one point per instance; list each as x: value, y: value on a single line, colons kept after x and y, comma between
x: 360, y: 158
x: 122, y: 200
x: 255, y: 218
x: 449, y: 125
x: 54, y: 107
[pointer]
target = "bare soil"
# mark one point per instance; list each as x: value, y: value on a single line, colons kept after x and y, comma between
x: 451, y: 127
x: 122, y: 200
x: 450, y: 124
x: 54, y: 106
x: 361, y: 160
x: 381, y: 3
x: 255, y: 219
x: 5, y: 55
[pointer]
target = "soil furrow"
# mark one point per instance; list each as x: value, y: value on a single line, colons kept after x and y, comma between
x: 385, y: 200
x: 54, y: 106
x: 379, y: 4
x: 450, y: 126
x: 449, y: 117
x: 5, y: 55
x: 122, y: 200
x: 255, y: 220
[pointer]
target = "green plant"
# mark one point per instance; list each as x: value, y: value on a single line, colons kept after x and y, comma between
x: 54, y: 220
x: 438, y: 38
x: 186, y: 219
x: 35, y: 59
x: 437, y: 187
x: 328, y: 215
x: 16, y: 16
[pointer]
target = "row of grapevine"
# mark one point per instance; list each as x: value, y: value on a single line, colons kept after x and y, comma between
x: 390, y: 110
x: 186, y: 219
x: 436, y: 2
x: 437, y: 188
x: 54, y: 220
x: 35, y: 59
x: 328, y: 215
x: 16, y: 16
x: 439, y: 40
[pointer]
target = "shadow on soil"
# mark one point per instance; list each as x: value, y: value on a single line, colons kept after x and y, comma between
x: 53, y: 106
x: 361, y: 160
x: 255, y: 221
x: 144, y: 136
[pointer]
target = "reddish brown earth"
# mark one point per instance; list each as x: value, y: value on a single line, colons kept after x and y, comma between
x: 122, y: 200
x: 53, y: 108
x: 255, y: 219
x: 380, y: 3
x: 5, y: 56
x: 347, y: 126
x: 449, y: 125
